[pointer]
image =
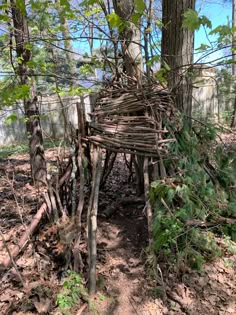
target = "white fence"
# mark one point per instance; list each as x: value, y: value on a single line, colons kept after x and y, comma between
x: 209, y: 101
x: 52, y: 121
x: 207, y: 105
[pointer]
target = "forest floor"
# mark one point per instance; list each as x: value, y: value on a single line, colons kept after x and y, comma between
x: 125, y: 281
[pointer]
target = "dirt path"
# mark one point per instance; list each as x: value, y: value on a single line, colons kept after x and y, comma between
x: 122, y: 241
x: 125, y: 285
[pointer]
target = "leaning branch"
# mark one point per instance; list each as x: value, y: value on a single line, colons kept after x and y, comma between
x: 25, y: 237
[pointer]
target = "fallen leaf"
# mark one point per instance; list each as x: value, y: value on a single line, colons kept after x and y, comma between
x: 43, y: 305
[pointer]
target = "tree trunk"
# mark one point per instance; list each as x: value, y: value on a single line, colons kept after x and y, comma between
x: 130, y: 40
x: 233, y: 123
x: 92, y: 218
x: 177, y: 52
x: 33, y: 127
x: 68, y: 48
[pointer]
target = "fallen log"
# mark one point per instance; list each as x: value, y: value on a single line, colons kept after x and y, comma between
x: 25, y: 237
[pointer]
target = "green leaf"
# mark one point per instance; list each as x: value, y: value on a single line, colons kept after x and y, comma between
x: 65, y: 3
x: 191, y: 20
x: 205, y: 21
x: 135, y: 18
x: 161, y: 75
x: 153, y: 60
x: 28, y: 46
x: 140, y: 6
x: 10, y: 119
x: 4, y: 18
x: 35, y: 5
x: 114, y: 20
x: 159, y: 24
x: 222, y: 30
x: 102, y: 297
x: 20, y: 4
x: 203, y: 47
x: 88, y: 2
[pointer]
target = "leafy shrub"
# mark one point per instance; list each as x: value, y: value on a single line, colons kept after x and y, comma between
x: 191, y: 205
x: 73, y: 290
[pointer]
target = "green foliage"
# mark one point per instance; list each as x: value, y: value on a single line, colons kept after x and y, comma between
x: 194, y: 199
x: 202, y: 47
x: 8, y: 150
x: 10, y: 119
x: 193, y: 22
x: 224, y: 33
x: 230, y: 245
x: 88, y: 2
x: 20, y: 148
x: 140, y: 6
x: 102, y: 297
x: 20, y: 4
x: 11, y: 93
x: 73, y: 290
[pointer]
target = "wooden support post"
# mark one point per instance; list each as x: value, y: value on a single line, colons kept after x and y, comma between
x: 92, y: 217
x: 78, y: 263
x: 148, y: 204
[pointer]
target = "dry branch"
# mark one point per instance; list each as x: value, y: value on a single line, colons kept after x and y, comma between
x: 25, y: 237
x: 92, y: 218
x: 33, y: 225
x: 130, y: 120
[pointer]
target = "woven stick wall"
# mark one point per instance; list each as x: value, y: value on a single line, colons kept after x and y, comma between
x: 130, y: 120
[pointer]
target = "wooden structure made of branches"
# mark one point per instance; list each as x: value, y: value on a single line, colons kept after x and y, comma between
x: 131, y: 120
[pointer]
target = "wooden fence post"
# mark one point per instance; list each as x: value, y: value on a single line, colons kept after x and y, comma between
x: 92, y: 217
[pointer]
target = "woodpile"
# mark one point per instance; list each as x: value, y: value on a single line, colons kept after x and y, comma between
x: 132, y: 120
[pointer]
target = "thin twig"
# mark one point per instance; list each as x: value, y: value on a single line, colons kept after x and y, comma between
x: 13, y: 261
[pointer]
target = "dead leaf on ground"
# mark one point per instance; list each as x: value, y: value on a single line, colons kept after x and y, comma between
x: 42, y: 305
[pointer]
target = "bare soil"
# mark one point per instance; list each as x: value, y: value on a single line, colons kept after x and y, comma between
x: 125, y: 281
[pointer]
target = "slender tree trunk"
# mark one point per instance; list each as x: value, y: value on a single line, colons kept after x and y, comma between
x: 146, y: 37
x: 177, y: 51
x: 234, y: 35
x: 133, y: 62
x: 233, y: 123
x: 33, y: 127
x: 68, y: 49
x: 130, y: 40
x: 92, y: 218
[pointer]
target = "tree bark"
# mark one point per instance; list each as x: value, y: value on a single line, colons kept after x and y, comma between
x: 177, y: 52
x: 233, y: 122
x: 68, y: 47
x: 130, y: 40
x: 92, y: 218
x: 33, y: 127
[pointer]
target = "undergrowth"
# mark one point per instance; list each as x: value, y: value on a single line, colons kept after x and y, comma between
x: 72, y: 293
x: 23, y: 147
x: 195, y: 203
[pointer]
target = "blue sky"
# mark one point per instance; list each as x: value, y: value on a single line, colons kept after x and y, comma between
x: 219, y: 12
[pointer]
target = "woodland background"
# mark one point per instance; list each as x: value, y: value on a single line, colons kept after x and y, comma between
x: 117, y: 158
